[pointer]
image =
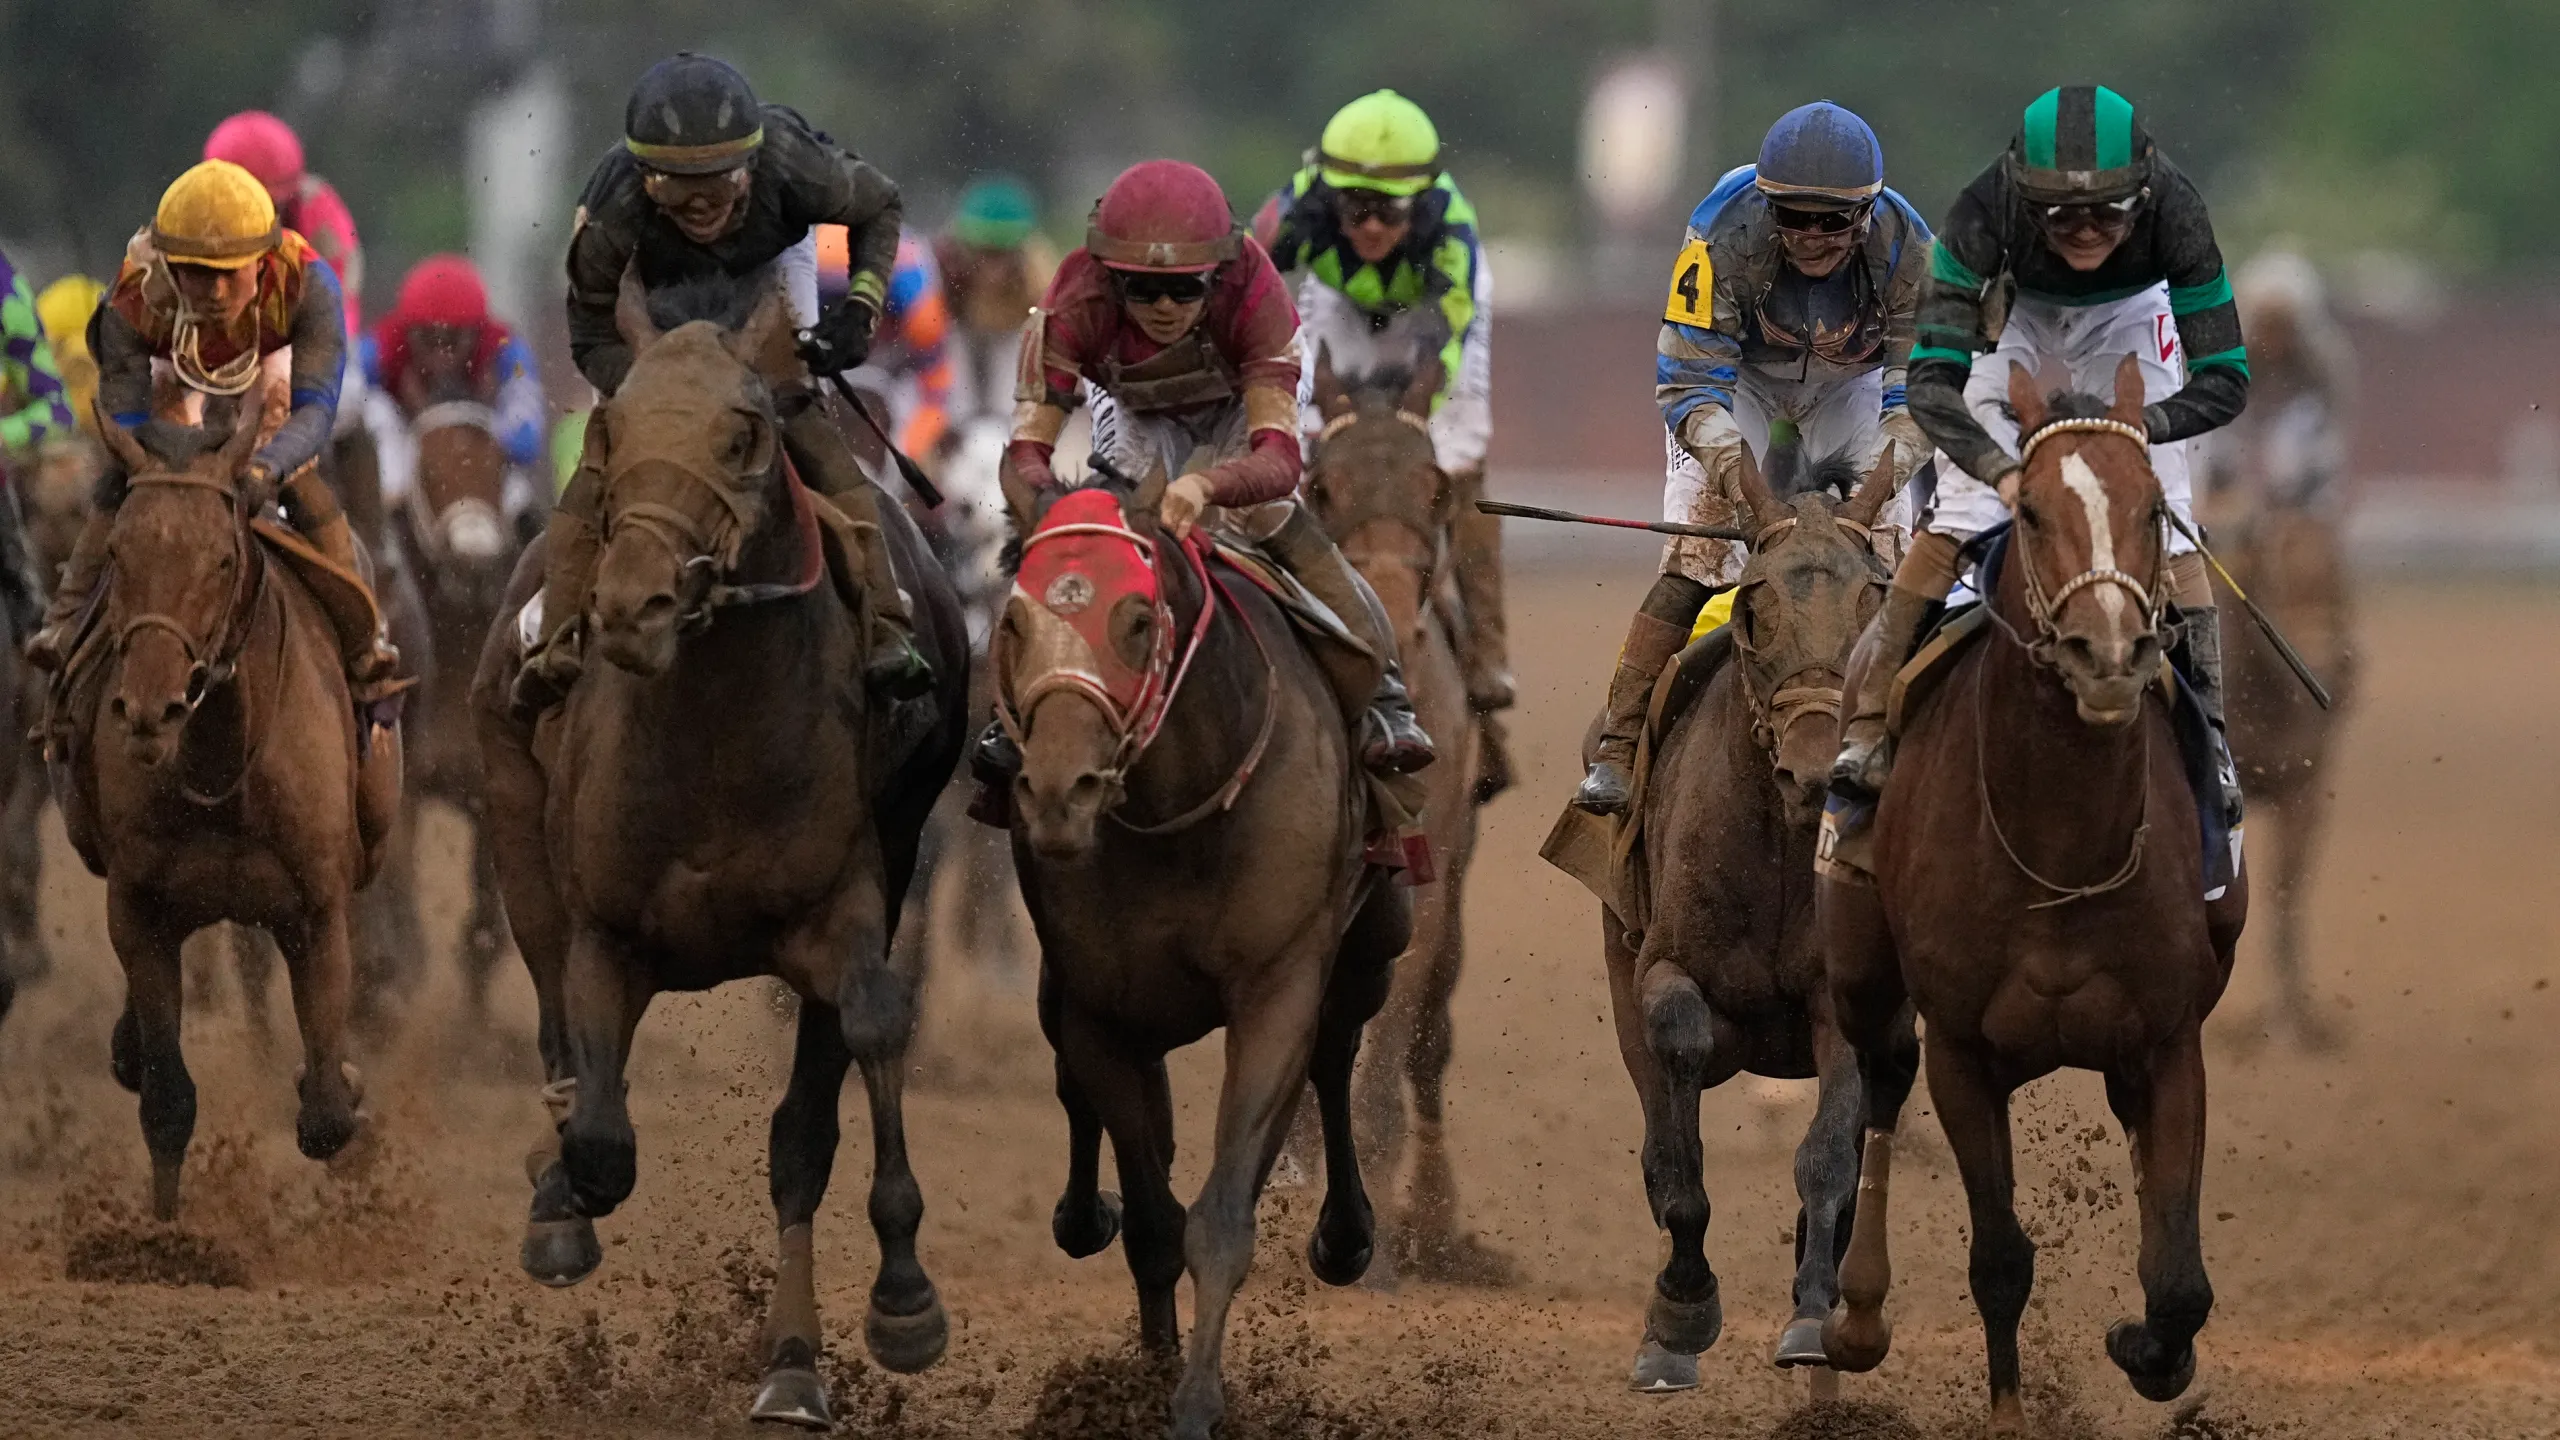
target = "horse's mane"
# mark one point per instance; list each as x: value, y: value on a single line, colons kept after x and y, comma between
x: 723, y: 299
x: 176, y: 445
x: 2076, y: 405
x: 1790, y: 474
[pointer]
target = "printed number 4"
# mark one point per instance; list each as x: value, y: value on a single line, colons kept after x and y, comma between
x: 1688, y: 286
x: 1693, y: 285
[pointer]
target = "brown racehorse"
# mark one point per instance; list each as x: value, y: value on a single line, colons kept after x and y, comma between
x: 458, y: 544
x: 2038, y: 898
x: 216, y: 772
x: 719, y: 798
x: 1727, y: 976
x: 2288, y: 556
x: 57, y: 493
x: 1188, y: 833
x: 1380, y: 492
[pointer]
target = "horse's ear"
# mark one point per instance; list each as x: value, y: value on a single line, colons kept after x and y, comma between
x: 1331, y: 399
x: 1021, y: 497
x: 120, y: 442
x: 631, y: 311
x: 2128, y: 407
x: 1873, y: 491
x: 751, y: 342
x: 2026, y: 399
x: 243, y: 439
x: 1758, y: 500
x: 1416, y: 399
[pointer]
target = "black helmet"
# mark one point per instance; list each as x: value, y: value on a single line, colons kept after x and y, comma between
x: 2080, y: 145
x: 692, y: 115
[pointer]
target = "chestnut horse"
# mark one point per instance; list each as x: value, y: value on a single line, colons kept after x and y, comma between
x: 2039, y: 897
x: 720, y: 797
x: 1188, y: 834
x: 214, y: 770
x: 1726, y: 973
x: 1375, y: 484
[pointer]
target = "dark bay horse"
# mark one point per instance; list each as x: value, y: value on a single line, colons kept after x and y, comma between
x: 719, y: 798
x: 1726, y: 974
x: 214, y: 770
x: 2038, y: 898
x: 1188, y: 833
x: 1381, y: 494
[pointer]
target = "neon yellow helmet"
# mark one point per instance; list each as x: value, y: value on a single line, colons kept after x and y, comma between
x: 63, y: 308
x: 1381, y: 141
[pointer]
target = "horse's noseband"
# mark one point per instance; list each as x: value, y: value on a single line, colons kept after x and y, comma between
x: 205, y: 672
x: 2045, y: 609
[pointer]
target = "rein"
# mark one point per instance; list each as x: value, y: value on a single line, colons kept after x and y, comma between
x: 2063, y: 894
x: 213, y: 666
x: 717, y: 548
x: 1790, y: 700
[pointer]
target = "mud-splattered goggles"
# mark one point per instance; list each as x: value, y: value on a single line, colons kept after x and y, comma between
x: 1145, y: 288
x: 1361, y: 207
x: 2090, y: 215
x: 1797, y: 221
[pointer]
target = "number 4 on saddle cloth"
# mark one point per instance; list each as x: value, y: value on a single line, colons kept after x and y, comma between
x: 1844, y: 849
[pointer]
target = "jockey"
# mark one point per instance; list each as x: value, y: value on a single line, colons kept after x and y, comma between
x: 2109, y: 251
x: 219, y: 296
x: 1793, y: 299
x: 31, y: 385
x: 305, y: 204
x: 441, y: 325
x: 995, y: 264
x: 908, y: 360
x: 2301, y: 385
x: 1394, y: 272
x: 64, y: 308
x: 709, y: 181
x: 1177, y: 328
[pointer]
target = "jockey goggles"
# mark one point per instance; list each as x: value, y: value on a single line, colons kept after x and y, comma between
x: 670, y: 189
x: 1361, y: 206
x: 2089, y: 215
x: 1798, y: 221
x: 1146, y: 287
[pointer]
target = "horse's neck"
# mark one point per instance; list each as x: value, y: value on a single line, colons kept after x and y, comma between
x: 1213, y: 718
x: 2062, y: 787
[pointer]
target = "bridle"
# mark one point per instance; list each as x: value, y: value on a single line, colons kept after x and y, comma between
x: 215, y: 663
x: 1793, y: 695
x: 2044, y: 609
x: 711, y: 551
x: 431, y: 527
x: 1362, y: 506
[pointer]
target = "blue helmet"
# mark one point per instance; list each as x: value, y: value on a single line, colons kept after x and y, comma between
x: 1821, y: 157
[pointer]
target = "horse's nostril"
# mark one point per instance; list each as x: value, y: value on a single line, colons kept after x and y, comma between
x: 173, y: 712
x: 118, y: 706
x: 657, y: 607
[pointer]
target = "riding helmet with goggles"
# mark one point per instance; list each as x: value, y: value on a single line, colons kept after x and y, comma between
x: 216, y: 215
x: 1821, y: 168
x: 1381, y: 142
x: 692, y: 115
x: 2081, y: 146
x: 1163, y: 217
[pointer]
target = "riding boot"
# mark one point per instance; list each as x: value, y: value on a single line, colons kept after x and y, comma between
x: 573, y: 546
x: 2203, y: 626
x: 1486, y: 649
x: 1392, y: 741
x: 21, y: 592
x: 50, y: 646
x: 892, y: 665
x: 1658, y: 631
x: 372, y: 662
x: 1866, y: 751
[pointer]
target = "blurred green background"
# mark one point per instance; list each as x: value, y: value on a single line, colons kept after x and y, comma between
x: 2429, y: 131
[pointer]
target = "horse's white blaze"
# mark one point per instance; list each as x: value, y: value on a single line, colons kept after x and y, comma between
x: 2102, y: 539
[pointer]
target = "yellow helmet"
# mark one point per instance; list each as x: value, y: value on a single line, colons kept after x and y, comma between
x: 216, y: 214
x: 63, y: 308
x: 1381, y: 141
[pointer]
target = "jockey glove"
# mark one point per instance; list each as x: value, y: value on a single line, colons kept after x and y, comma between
x: 841, y: 339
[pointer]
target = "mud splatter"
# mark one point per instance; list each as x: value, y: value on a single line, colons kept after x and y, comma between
x: 152, y: 1255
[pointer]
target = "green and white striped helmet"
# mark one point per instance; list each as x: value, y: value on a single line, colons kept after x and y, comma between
x: 2080, y: 145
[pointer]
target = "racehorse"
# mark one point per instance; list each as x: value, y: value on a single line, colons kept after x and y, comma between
x: 1380, y: 493
x: 2038, y: 896
x: 2285, y: 548
x: 452, y: 528
x: 1720, y: 970
x: 719, y: 797
x: 213, y: 768
x: 1188, y: 831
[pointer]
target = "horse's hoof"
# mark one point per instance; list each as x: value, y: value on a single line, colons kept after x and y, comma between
x: 1092, y: 1238
x: 1853, y: 1342
x: 1335, y: 1269
x: 1801, y: 1344
x: 1661, y: 1370
x: 793, y: 1396
x: 560, y: 1253
x: 1687, y: 1326
x: 907, y: 1344
x: 323, y: 1133
x: 164, y: 1188
x: 2130, y: 1345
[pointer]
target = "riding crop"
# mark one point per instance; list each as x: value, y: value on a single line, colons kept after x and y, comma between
x: 1569, y: 517
x: 908, y: 469
x: 2293, y: 659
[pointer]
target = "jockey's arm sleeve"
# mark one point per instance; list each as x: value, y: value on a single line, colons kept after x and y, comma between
x: 1963, y: 264
x: 319, y: 365
x: 1266, y: 227
x: 1694, y: 369
x: 1456, y: 258
x: 854, y: 193
x: 596, y: 261
x: 1902, y: 305
x: 2208, y: 319
x: 1270, y: 466
x: 124, y: 367
x: 27, y: 367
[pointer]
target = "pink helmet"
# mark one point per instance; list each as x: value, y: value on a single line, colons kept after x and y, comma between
x: 443, y: 290
x: 260, y: 144
x: 1165, y: 217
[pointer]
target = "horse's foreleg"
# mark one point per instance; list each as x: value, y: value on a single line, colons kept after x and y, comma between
x: 802, y: 1156
x: 2163, y: 1111
x: 1270, y: 1038
x: 319, y: 963
x: 484, y: 940
x: 1974, y: 1111
x: 1087, y: 1217
x: 906, y: 1328
x: 1869, y: 1004
x: 602, y: 1001
x: 1134, y: 1099
x: 1826, y: 1186
x: 1363, y: 972
x: 148, y: 946
x: 23, y: 955
x: 1447, y: 1251
x: 1686, y: 1313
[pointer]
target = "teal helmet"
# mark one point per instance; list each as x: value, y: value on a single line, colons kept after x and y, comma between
x: 2080, y: 145
x: 997, y: 212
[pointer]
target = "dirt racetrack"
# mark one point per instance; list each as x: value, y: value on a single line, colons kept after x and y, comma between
x: 2383, y: 1236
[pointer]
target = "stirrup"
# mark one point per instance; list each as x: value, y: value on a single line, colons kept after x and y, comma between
x: 1606, y: 790
x: 1393, y: 742
x: 897, y: 669
x: 1864, y: 764
x: 545, y: 678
